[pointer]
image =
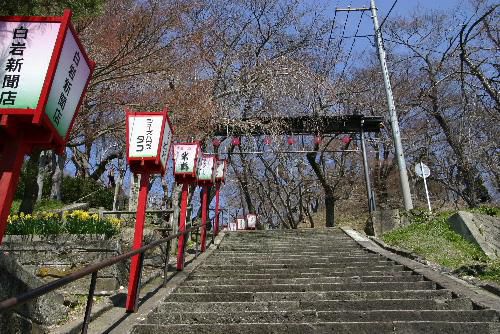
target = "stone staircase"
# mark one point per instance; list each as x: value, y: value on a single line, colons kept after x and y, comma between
x: 309, y: 281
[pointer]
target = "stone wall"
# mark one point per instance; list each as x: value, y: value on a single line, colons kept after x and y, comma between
x: 50, y: 258
x: 34, y: 316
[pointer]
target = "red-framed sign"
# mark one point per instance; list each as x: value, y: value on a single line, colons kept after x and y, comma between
x: 45, y: 75
x: 220, y: 173
x: 186, y: 156
x: 149, y: 135
x: 205, y: 173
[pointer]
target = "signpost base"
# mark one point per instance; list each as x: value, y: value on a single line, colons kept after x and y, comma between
x: 136, y: 264
x: 182, y: 227
x: 204, y: 219
x: 11, y: 161
x: 217, y: 193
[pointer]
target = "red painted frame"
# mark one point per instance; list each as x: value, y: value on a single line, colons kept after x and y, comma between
x: 39, y: 115
x: 150, y: 165
x: 182, y: 177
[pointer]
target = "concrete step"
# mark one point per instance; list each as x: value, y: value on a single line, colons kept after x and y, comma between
x: 302, y: 280
x: 359, y: 264
x: 296, y: 261
x: 355, y: 270
x: 322, y: 305
x: 307, y: 296
x: 321, y: 316
x: 323, y: 328
x: 364, y: 286
x: 251, y: 256
x: 209, y: 275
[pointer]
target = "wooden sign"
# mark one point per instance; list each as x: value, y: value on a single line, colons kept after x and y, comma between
x: 149, y: 136
x: 220, y: 172
x: 186, y: 159
x: 45, y: 73
x: 241, y: 224
x: 251, y: 221
x: 206, y: 169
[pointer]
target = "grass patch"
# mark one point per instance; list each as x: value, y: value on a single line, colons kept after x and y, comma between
x: 48, y: 205
x: 432, y: 238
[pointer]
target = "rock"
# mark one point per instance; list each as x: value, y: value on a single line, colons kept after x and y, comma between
x: 482, y: 230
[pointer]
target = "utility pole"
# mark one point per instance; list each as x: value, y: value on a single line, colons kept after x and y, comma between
x: 393, y: 117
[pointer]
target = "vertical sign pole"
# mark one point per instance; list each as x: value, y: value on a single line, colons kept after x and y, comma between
x: 425, y: 185
x: 136, y: 265
x: 204, y: 219
x: 217, y: 192
x: 11, y: 162
x: 371, y: 202
x: 182, y: 227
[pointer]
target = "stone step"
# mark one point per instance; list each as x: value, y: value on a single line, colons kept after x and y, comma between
x: 302, y: 280
x: 206, y: 275
x: 350, y: 269
x: 307, y: 296
x: 323, y: 305
x: 322, y: 316
x: 260, y: 260
x: 340, y: 265
x: 313, y: 269
x: 251, y: 256
x: 323, y: 328
x: 364, y: 286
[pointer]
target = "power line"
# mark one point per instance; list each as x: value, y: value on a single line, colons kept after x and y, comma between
x: 352, y: 45
x: 389, y: 13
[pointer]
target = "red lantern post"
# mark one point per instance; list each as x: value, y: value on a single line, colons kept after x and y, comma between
x: 220, y: 175
x: 185, y: 165
x: 206, y: 179
x: 148, y: 146
x: 45, y: 76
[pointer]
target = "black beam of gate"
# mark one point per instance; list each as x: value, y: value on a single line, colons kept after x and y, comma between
x: 320, y: 125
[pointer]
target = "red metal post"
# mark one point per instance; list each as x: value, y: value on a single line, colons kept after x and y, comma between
x: 217, y: 192
x: 11, y: 162
x: 182, y: 227
x: 136, y: 266
x: 204, y: 202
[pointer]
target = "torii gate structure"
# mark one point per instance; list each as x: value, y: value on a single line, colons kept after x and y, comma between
x: 310, y: 125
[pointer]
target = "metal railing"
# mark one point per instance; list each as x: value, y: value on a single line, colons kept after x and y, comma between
x: 23, y: 298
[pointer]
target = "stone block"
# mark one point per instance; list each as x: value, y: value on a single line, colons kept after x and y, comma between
x: 383, y: 221
x: 482, y: 230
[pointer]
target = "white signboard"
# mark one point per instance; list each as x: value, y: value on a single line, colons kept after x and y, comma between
x: 252, y: 221
x: 184, y: 156
x: 233, y: 226
x: 241, y: 224
x: 422, y: 170
x: 25, y: 52
x: 144, y: 135
x: 165, y: 146
x: 219, y: 173
x: 67, y: 87
x: 206, y: 168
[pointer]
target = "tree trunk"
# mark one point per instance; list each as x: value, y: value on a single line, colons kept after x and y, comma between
x: 30, y: 187
x: 135, y: 180
x: 42, y: 167
x: 330, y: 209
x: 327, y: 188
x: 58, y: 163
